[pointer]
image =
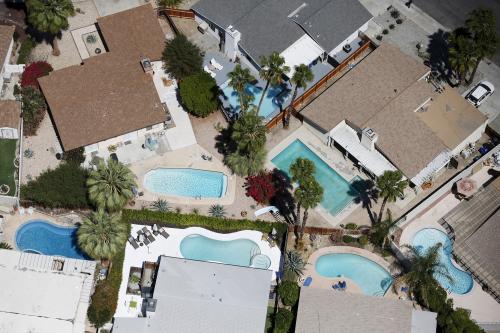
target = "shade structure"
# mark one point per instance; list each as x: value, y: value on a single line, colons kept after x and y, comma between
x: 467, y: 186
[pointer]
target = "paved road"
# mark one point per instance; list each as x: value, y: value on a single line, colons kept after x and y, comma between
x: 453, y: 13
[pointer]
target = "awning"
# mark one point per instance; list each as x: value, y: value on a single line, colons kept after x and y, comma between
x: 304, y: 51
x: 372, y: 160
x: 430, y: 170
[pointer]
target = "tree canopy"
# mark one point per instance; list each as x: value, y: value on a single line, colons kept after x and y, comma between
x: 182, y: 58
x: 199, y: 94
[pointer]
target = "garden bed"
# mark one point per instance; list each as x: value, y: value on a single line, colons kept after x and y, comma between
x: 7, y: 168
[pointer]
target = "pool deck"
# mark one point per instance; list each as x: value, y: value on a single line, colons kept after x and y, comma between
x: 331, y: 157
x: 322, y: 282
x: 171, y: 247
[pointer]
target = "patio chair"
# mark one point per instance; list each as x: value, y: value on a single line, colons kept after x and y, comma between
x: 148, y: 234
x: 164, y: 233
x: 206, y: 69
x: 308, y: 281
x: 214, y: 63
x: 141, y: 237
x: 132, y: 242
x: 155, y: 229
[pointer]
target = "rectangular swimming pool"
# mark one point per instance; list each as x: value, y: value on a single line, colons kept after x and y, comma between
x: 338, y: 192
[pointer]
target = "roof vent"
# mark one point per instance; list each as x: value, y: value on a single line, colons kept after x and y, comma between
x: 369, y: 138
x: 147, y: 66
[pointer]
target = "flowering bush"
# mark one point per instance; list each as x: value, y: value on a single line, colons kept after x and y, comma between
x: 33, y: 71
x: 261, y: 187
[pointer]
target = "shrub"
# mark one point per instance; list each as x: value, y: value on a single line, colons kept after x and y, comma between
x: 217, y: 211
x: 33, y: 108
x: 385, y: 31
x: 289, y: 292
x: 391, y: 26
x: 283, y: 321
x: 399, y: 21
x: 348, y: 239
x: 34, y: 71
x: 182, y: 58
x: 261, y: 187
x: 379, y: 37
x: 199, y: 94
x: 351, y: 226
x: 63, y: 187
x: 75, y: 155
x: 363, y: 240
x: 160, y: 205
x: 25, y: 50
x: 395, y: 13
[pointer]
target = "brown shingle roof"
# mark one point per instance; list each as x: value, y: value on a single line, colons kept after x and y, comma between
x: 10, y: 112
x: 6, y: 33
x: 110, y: 94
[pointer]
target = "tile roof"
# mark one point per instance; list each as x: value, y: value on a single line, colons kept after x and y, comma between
x: 10, y: 112
x: 109, y: 95
x: 6, y: 33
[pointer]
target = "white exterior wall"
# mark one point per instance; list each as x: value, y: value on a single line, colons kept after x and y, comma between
x: 349, y: 39
x: 471, y: 139
x: 5, y: 62
x: 119, y: 140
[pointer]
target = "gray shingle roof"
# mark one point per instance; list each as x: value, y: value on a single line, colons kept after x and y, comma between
x: 265, y: 25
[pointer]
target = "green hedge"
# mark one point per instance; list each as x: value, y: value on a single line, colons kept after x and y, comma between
x: 289, y: 292
x: 283, y: 321
x: 25, y: 50
x: 349, y: 239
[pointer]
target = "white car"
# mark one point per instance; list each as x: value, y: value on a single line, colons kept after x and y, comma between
x: 480, y: 92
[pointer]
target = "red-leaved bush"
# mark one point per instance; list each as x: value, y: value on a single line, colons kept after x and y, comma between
x: 33, y: 71
x: 260, y: 187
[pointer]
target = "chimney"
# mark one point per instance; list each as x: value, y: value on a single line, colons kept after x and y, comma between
x: 368, y: 138
x: 147, y: 66
x: 233, y: 37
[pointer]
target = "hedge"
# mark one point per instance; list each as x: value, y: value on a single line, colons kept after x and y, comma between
x: 283, y: 321
x: 25, y: 50
x: 289, y: 292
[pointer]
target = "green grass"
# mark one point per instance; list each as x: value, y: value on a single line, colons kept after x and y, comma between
x: 7, y: 169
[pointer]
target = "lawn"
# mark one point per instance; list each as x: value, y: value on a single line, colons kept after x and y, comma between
x: 7, y: 169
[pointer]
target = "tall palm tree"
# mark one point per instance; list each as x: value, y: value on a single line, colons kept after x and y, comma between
x: 50, y: 16
x: 239, y: 78
x: 308, y: 195
x: 102, y: 235
x: 110, y: 186
x: 422, y: 268
x: 300, y: 78
x: 273, y: 70
x: 249, y: 133
x: 461, y: 54
x: 391, y: 186
x: 302, y: 169
x: 482, y: 24
x: 379, y: 234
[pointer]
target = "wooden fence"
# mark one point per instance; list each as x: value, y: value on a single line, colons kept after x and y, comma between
x: 174, y: 12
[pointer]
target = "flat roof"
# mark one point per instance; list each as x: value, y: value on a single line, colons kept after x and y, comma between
x: 6, y: 33
x: 10, y: 114
x: 109, y: 95
x: 323, y: 310
x: 197, y: 296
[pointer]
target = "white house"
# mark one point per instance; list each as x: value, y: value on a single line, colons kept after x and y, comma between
x: 6, y: 47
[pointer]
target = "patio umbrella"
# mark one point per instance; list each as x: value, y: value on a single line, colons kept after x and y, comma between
x: 467, y: 186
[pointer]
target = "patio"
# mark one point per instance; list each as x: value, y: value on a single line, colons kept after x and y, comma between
x: 227, y: 66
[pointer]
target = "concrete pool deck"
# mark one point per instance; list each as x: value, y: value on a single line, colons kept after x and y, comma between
x: 171, y: 247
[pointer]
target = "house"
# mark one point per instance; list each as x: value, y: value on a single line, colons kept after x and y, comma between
x: 10, y: 119
x: 110, y: 99
x: 303, y: 32
x: 334, y: 311
x: 44, y: 293
x: 6, y: 46
x: 198, y: 296
x: 388, y: 113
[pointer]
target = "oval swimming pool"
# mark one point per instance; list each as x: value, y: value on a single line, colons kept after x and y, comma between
x: 461, y: 282
x: 372, y: 278
x: 239, y: 252
x: 186, y: 182
x: 41, y: 236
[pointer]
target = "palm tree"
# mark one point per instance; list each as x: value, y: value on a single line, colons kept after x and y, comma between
x: 302, y: 169
x: 273, y: 70
x: 217, y: 211
x: 50, y: 16
x: 461, y: 53
x: 379, y: 234
x: 481, y: 23
x: 391, y: 186
x: 181, y: 58
x: 160, y: 205
x: 300, y: 78
x: 102, y: 235
x: 5, y: 246
x: 110, y: 186
x: 422, y: 268
x: 308, y: 195
x: 239, y: 78
x: 246, y: 163
x: 294, y: 264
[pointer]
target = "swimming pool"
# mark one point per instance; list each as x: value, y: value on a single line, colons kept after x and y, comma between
x: 338, y: 193
x: 272, y: 101
x: 239, y: 252
x: 461, y: 281
x: 41, y: 236
x: 186, y: 182
x: 372, y: 278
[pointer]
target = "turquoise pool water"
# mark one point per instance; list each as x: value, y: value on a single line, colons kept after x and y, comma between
x: 43, y: 237
x: 461, y: 282
x: 372, y: 278
x: 270, y: 104
x: 239, y: 252
x: 186, y: 182
x: 338, y: 193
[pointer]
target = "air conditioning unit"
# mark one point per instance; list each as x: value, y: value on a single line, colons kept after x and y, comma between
x: 369, y: 138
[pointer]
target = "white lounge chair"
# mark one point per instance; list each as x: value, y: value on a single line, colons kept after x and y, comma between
x: 206, y: 69
x: 214, y: 63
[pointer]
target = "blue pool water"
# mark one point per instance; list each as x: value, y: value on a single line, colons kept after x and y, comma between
x: 186, y: 182
x: 270, y: 104
x: 338, y: 193
x: 235, y: 252
x: 40, y: 236
x: 461, y: 282
x: 372, y: 278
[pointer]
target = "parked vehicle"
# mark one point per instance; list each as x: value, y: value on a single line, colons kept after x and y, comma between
x: 480, y: 93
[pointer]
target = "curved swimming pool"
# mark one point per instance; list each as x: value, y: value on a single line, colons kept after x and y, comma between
x: 186, y: 182
x: 461, y: 282
x: 41, y: 236
x: 239, y: 252
x: 372, y: 278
